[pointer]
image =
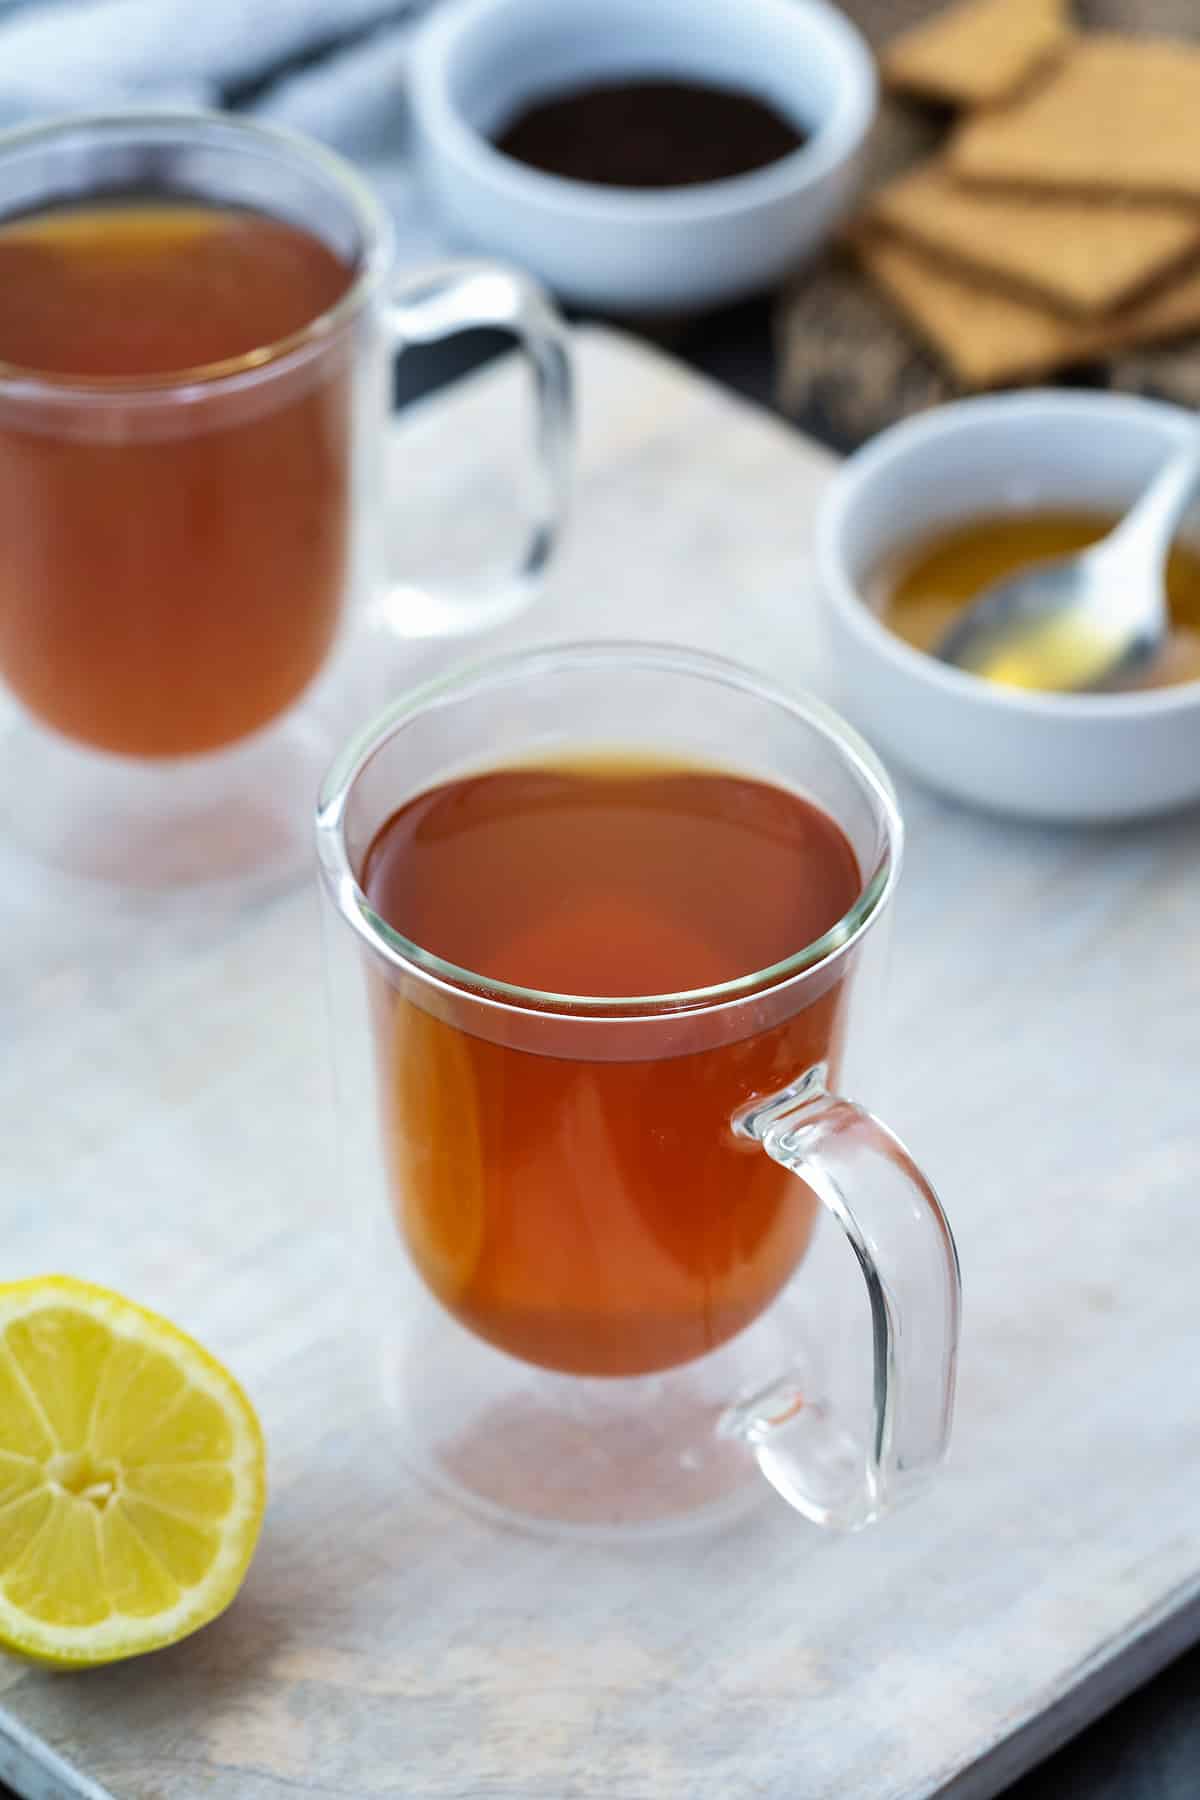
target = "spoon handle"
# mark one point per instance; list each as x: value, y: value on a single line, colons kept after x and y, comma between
x: 1146, y: 532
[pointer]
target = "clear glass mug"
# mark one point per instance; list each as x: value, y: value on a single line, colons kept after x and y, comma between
x: 535, y: 1379
x: 186, y: 560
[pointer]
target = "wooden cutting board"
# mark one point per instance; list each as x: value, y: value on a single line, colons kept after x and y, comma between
x: 165, y: 1122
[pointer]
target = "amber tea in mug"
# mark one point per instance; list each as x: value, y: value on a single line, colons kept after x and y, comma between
x: 198, y: 317
x: 168, y: 595
x: 601, y: 954
x: 602, y: 879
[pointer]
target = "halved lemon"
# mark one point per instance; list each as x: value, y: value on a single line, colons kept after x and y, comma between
x: 132, y: 1477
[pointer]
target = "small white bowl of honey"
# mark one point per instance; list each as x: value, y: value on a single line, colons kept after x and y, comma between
x: 915, y: 525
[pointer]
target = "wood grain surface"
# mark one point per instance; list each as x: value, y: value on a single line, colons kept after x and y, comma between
x: 848, y: 363
x: 166, y: 1121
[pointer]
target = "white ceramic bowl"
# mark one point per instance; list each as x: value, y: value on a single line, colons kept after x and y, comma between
x: 622, y: 249
x: 1065, y: 757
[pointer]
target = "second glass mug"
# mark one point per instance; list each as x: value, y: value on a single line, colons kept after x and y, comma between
x: 184, y: 557
x: 490, y: 1136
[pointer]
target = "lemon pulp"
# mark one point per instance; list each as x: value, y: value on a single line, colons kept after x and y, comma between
x: 132, y: 1476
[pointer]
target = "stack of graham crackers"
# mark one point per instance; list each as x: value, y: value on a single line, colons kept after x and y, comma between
x: 1061, y: 220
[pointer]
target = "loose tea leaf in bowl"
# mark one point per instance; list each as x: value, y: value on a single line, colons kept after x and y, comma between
x: 641, y: 133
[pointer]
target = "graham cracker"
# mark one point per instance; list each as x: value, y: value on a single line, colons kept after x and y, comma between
x: 1087, y: 255
x: 1118, y: 114
x: 978, y: 51
x: 987, y: 337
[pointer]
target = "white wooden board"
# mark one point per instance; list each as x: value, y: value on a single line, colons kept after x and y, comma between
x: 165, y: 1127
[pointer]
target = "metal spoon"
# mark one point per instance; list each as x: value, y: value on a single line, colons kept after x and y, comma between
x: 1082, y: 621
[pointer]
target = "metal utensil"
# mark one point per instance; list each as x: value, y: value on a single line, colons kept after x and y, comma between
x: 1082, y: 621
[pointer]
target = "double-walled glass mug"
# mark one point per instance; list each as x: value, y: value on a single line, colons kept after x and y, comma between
x: 599, y: 1231
x: 191, y: 603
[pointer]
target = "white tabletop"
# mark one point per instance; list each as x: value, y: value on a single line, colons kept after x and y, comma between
x: 166, y: 1120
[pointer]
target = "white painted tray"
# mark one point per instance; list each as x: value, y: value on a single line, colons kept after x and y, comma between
x: 164, y: 1118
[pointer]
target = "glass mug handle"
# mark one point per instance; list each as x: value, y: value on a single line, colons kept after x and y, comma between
x: 861, y: 1174
x: 438, y: 303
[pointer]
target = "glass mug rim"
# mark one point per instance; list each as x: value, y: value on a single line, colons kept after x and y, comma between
x: 265, y: 361
x: 410, y: 959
